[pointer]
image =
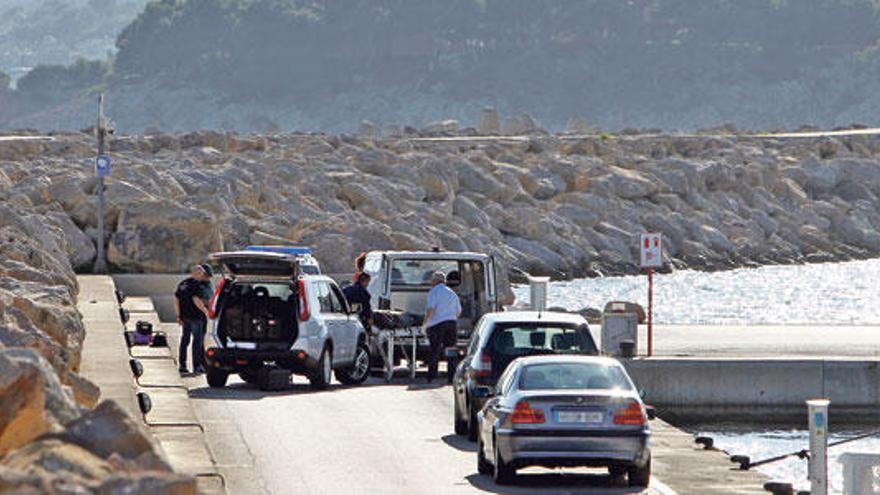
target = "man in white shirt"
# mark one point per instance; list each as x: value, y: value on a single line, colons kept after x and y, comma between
x: 441, y: 317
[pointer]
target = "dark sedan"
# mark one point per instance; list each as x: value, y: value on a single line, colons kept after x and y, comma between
x: 500, y: 338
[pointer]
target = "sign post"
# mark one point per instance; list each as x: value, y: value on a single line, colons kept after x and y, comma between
x: 102, y: 170
x: 818, y: 466
x: 651, y: 248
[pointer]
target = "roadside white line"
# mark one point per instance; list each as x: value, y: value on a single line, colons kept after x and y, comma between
x: 660, y: 487
x: 624, y: 137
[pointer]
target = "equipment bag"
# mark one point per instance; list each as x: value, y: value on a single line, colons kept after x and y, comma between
x: 144, y: 327
x: 160, y: 339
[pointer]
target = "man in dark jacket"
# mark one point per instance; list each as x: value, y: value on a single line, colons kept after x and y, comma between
x: 191, y: 304
x: 357, y: 294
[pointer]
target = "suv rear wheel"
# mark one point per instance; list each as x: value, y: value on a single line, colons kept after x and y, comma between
x: 323, y: 373
x: 358, y: 372
x: 216, y: 377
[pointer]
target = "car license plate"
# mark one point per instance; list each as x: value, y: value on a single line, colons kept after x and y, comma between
x: 579, y: 417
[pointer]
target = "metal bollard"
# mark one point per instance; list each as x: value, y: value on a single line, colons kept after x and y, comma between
x: 818, y: 419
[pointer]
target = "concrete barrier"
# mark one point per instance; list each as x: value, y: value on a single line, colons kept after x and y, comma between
x: 762, y: 390
x: 158, y: 287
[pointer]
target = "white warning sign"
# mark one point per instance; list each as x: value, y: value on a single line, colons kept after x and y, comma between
x: 651, y: 247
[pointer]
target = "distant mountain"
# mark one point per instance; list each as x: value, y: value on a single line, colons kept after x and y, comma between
x: 328, y: 64
x: 41, y: 32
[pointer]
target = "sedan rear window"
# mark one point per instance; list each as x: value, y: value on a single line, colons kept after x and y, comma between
x: 561, y: 376
x: 525, y: 339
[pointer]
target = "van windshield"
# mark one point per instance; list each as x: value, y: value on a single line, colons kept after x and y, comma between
x: 417, y: 273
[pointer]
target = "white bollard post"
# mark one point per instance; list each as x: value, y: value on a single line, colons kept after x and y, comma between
x: 818, y: 419
x: 538, y: 292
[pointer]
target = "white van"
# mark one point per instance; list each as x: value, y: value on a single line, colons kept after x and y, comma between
x: 400, y: 281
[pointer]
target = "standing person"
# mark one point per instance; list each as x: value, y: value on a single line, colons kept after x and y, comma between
x: 441, y: 317
x: 192, y: 316
x: 357, y: 294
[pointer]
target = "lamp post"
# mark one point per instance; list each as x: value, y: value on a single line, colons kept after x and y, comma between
x: 102, y: 169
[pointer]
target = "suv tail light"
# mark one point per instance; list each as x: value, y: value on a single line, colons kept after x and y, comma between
x: 213, y: 310
x: 524, y: 414
x: 303, y: 300
x: 483, y: 366
x: 630, y: 413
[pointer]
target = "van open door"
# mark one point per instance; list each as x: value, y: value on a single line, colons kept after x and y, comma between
x: 492, y: 285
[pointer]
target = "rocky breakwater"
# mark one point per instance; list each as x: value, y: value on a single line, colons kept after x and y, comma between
x: 565, y: 206
x: 53, y: 438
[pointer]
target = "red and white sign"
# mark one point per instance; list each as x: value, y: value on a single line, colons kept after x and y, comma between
x: 651, y: 247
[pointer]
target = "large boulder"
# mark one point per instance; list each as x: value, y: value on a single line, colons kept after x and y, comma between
x: 32, y: 399
x: 162, y: 237
x: 79, y: 247
x: 108, y: 430
x: 623, y: 183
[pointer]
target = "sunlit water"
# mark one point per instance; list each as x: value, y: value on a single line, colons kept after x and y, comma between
x: 766, y: 444
x: 832, y: 293
x: 835, y: 293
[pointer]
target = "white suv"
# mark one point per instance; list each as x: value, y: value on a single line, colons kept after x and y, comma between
x: 268, y: 315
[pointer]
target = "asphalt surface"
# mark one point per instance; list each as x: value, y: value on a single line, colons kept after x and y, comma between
x: 374, y: 438
x: 772, y: 341
x: 397, y: 438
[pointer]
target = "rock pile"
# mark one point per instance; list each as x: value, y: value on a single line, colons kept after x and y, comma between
x: 559, y: 205
x: 51, y: 440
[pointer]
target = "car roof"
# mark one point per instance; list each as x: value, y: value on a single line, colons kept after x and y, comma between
x: 317, y: 278
x: 534, y: 317
x: 442, y: 255
x: 566, y: 358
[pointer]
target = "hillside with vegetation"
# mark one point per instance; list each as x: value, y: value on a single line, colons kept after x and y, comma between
x: 327, y: 64
x: 58, y: 32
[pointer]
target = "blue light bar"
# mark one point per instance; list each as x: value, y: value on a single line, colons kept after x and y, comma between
x: 295, y: 250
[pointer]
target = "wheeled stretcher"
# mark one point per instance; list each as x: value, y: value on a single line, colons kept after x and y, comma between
x: 396, y: 336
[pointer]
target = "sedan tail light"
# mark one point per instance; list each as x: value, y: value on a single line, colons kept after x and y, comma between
x: 523, y: 413
x: 483, y: 366
x: 630, y: 413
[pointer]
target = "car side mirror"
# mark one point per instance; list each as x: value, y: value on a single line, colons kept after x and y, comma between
x: 642, y: 393
x: 483, y: 392
x: 652, y: 414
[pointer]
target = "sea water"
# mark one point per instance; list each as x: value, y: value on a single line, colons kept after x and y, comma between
x: 832, y: 293
x: 736, y: 440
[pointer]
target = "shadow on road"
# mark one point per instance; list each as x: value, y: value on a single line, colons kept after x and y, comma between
x: 245, y: 391
x: 555, y: 482
x: 460, y: 443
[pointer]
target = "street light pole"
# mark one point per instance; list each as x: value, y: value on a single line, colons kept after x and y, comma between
x: 101, y: 132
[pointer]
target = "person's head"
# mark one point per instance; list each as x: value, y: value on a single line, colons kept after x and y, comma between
x: 364, y: 279
x: 201, y: 272
x: 438, y: 278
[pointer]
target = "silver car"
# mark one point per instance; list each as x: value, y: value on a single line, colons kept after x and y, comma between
x: 557, y: 411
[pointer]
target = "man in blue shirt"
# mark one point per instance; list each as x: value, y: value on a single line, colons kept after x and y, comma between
x: 441, y: 317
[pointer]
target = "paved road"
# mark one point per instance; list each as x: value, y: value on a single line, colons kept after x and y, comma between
x: 376, y: 438
x: 397, y: 438
x: 791, y: 341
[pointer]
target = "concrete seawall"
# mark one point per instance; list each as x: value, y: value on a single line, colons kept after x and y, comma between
x: 758, y: 390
